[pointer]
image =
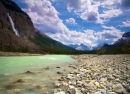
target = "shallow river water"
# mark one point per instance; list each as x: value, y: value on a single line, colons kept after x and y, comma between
x: 32, y: 74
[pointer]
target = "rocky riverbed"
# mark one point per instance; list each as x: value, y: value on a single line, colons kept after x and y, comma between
x: 96, y: 74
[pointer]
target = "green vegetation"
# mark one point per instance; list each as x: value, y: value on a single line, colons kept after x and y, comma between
x: 11, y: 48
x: 51, y: 46
x: 115, y: 49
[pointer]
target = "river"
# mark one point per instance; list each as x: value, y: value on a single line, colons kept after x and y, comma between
x: 32, y: 74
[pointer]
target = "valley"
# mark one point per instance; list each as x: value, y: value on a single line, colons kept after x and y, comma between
x: 60, y: 74
x: 43, y: 50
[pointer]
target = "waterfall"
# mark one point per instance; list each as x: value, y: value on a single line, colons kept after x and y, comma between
x: 12, y: 24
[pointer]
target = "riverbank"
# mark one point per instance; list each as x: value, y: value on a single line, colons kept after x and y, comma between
x: 97, y: 74
x: 18, y: 54
x: 90, y: 74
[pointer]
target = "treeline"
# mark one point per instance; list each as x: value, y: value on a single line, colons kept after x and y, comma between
x: 11, y: 48
x: 47, y: 45
x: 51, y: 46
x: 115, y: 49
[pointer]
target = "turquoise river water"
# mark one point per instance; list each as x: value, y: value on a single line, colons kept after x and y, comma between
x: 42, y: 73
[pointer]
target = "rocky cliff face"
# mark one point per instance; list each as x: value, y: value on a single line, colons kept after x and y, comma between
x: 9, y: 41
x: 121, y: 46
x: 17, y: 32
x: 125, y: 39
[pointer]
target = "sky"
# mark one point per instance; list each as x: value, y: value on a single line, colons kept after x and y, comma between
x: 91, y: 22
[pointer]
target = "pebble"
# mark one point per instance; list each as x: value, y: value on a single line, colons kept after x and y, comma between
x: 118, y: 88
x: 59, y: 72
x: 62, y: 92
x: 57, y: 84
x: 65, y: 84
x: 97, y: 74
x: 97, y: 84
x: 78, y: 91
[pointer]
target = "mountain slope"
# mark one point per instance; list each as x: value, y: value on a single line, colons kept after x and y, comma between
x: 125, y: 39
x: 99, y: 46
x: 49, y: 45
x: 80, y: 47
x: 121, y: 46
x: 17, y: 32
x: 9, y: 41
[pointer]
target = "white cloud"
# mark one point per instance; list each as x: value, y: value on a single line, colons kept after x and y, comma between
x: 45, y: 17
x: 74, y: 37
x: 71, y: 21
x: 111, y: 13
x: 125, y: 24
x: 109, y: 35
x: 110, y: 32
x: 88, y: 10
x: 77, y: 4
x: 107, y: 14
x: 108, y: 27
x: 89, y: 37
x: 89, y: 16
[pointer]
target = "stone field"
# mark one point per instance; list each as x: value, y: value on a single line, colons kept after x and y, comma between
x: 96, y: 74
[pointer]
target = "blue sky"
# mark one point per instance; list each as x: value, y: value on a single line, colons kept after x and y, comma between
x: 90, y: 22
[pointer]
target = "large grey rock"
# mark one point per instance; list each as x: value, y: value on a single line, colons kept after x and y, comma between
x: 118, y: 88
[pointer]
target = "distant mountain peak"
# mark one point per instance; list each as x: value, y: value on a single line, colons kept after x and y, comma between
x: 81, y: 47
x: 127, y: 34
x: 121, y: 46
x: 125, y: 38
x: 99, y: 46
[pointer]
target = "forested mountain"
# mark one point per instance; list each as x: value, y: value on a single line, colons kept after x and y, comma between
x: 121, y: 46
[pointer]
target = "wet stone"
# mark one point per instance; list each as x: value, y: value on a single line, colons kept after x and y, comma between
x: 29, y: 72
x: 9, y: 86
x: 20, y: 81
x: 59, y: 72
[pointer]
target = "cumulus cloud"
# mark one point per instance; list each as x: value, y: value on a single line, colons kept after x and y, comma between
x: 111, y: 32
x: 45, y: 17
x: 77, y: 4
x: 74, y: 37
x: 111, y: 13
x: 71, y: 21
x: 89, y: 37
x: 125, y: 24
x: 89, y: 16
x: 89, y: 9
